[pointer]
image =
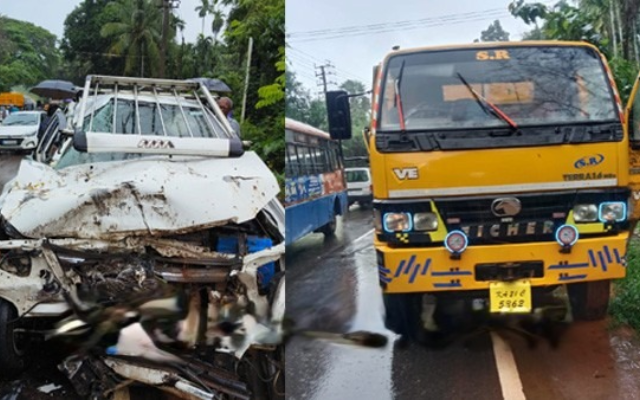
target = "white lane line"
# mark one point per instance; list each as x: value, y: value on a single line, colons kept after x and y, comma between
x: 507, y: 370
x: 362, y: 237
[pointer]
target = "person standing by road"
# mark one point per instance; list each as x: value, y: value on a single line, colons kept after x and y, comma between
x: 226, y: 106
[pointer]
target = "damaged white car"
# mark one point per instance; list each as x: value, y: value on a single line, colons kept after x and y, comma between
x: 155, y: 243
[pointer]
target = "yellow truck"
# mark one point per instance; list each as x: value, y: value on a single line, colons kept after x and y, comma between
x: 500, y: 172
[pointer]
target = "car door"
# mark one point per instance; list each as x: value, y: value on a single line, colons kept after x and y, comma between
x: 51, y: 139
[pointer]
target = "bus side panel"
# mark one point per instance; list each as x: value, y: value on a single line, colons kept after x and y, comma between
x: 304, y: 218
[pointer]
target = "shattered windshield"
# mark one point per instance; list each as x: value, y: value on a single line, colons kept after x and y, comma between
x: 477, y: 88
x: 182, y: 120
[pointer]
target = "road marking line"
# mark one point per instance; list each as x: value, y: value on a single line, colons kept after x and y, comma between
x: 362, y: 236
x: 507, y: 370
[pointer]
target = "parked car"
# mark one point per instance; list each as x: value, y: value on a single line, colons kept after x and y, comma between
x: 359, y: 186
x: 156, y: 220
x: 19, y: 130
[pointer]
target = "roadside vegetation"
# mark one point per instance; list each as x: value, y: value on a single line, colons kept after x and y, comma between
x: 124, y: 37
x: 625, y: 303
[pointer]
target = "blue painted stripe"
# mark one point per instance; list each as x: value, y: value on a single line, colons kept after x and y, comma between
x: 604, y: 264
x: 567, y: 266
x: 450, y: 273
x: 385, y: 279
x: 426, y: 267
x: 618, y: 259
x: 592, y: 258
x: 410, y: 264
x: 415, y: 272
x: 608, y: 254
x: 572, y: 277
x: 452, y: 284
x: 383, y: 269
x: 399, y: 268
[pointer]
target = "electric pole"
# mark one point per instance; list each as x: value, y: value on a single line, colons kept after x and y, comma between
x: 167, y: 6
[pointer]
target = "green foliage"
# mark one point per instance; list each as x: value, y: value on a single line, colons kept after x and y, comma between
x: 28, y: 53
x: 625, y: 304
x: 135, y: 34
x: 589, y: 22
x: 494, y: 33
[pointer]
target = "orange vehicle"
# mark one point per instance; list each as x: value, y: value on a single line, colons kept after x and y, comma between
x: 12, y: 98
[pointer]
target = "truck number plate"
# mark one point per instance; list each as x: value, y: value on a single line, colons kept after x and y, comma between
x: 510, y: 297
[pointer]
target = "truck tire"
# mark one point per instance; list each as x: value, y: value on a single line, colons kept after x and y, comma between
x: 329, y: 229
x: 589, y: 300
x: 402, y: 315
x: 12, y: 356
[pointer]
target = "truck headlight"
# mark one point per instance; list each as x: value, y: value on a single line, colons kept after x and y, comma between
x: 585, y: 213
x: 397, y: 222
x: 611, y: 211
x: 425, y: 221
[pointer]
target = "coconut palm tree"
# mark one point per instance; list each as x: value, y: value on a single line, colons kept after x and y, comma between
x: 203, y: 10
x: 136, y: 34
x: 217, y: 24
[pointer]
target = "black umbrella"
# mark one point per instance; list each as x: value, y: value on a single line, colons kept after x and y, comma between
x: 214, y: 85
x: 55, y: 89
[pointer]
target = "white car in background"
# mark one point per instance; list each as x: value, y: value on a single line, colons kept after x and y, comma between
x: 19, y: 130
x: 359, y: 186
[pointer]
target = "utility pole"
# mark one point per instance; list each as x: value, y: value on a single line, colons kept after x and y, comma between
x: 166, y: 6
x: 246, y: 79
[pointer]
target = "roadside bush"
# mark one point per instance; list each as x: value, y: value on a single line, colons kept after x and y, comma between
x: 625, y: 303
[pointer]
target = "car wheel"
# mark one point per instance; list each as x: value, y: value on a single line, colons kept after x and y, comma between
x: 12, y: 349
x: 589, y: 300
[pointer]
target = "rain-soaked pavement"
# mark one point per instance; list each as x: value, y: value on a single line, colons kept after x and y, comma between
x: 332, y: 285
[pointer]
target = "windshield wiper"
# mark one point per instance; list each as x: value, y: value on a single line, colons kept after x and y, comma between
x: 399, y: 97
x: 489, y: 106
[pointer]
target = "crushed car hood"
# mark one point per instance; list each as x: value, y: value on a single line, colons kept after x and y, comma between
x: 147, y: 196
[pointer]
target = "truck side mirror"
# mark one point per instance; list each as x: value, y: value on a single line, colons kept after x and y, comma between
x: 339, y: 114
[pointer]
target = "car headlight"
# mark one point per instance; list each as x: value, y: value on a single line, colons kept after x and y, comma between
x: 585, y: 213
x: 611, y: 211
x: 397, y: 222
x: 425, y: 221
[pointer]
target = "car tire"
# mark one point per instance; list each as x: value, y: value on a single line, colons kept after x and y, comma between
x: 12, y: 358
x: 589, y: 300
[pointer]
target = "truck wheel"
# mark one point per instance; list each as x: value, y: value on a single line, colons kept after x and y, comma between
x: 402, y: 315
x: 329, y: 229
x: 12, y: 355
x: 589, y: 300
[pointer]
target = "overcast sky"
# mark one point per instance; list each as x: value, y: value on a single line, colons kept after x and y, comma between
x: 407, y: 23
x: 50, y: 14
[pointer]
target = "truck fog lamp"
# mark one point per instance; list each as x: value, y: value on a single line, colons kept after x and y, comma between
x: 456, y: 242
x: 567, y: 235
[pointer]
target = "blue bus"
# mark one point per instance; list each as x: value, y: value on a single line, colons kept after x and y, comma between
x: 315, y: 190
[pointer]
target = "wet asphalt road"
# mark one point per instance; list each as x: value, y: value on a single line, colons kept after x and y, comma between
x: 332, y: 285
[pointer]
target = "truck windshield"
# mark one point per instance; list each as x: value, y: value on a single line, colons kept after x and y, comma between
x: 531, y: 85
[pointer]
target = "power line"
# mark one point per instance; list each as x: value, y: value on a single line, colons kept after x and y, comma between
x: 311, y: 59
x: 356, y: 28
x: 409, y: 28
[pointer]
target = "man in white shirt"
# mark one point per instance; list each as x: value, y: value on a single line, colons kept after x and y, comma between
x: 226, y: 106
